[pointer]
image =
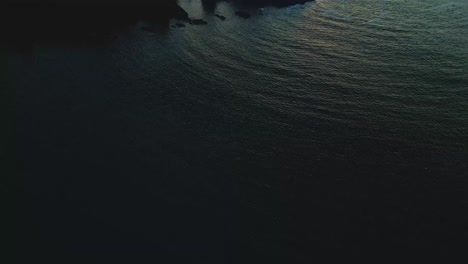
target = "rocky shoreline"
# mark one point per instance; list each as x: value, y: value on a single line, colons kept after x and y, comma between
x: 263, y: 3
x: 75, y: 19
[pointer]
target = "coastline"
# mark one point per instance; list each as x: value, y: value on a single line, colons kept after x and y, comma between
x: 25, y: 21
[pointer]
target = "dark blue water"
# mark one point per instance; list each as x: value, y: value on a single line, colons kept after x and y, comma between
x: 331, y: 125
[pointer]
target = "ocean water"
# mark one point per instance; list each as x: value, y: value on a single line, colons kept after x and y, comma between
x: 337, y: 124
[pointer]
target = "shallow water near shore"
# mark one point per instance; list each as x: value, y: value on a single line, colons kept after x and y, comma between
x: 335, y: 124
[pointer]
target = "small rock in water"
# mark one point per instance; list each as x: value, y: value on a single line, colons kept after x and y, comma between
x: 179, y: 25
x: 220, y: 17
x: 198, y: 22
x: 242, y: 14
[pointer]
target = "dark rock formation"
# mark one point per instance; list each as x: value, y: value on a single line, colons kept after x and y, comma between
x: 198, y: 22
x: 277, y: 3
x: 220, y: 17
x: 51, y: 20
x: 261, y: 3
x: 162, y: 9
x: 243, y: 14
x: 80, y: 19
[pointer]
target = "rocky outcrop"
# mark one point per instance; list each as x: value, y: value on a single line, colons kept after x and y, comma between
x: 79, y: 19
x: 278, y: 3
x: 262, y: 3
x: 62, y: 19
x: 198, y: 22
x: 243, y: 14
x: 90, y: 9
x: 220, y: 17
